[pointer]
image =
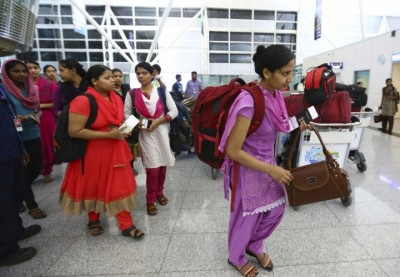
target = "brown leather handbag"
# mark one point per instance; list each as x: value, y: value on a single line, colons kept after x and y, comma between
x: 319, y: 181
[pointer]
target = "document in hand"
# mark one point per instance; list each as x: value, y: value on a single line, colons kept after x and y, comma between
x: 306, y: 115
x: 129, y: 124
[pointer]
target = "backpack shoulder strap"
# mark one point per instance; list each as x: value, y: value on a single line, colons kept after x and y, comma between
x: 163, y: 98
x: 259, y: 108
x: 93, y: 109
x: 132, y: 93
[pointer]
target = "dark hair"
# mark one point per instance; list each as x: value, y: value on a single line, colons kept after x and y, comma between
x: 144, y: 65
x: 47, y: 66
x: 116, y: 70
x: 177, y: 76
x: 11, y: 64
x: 194, y: 72
x: 157, y: 67
x: 272, y: 58
x: 388, y: 79
x: 94, y: 72
x: 33, y: 62
x: 73, y: 64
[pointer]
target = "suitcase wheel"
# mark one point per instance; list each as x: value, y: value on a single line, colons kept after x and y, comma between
x: 214, y: 173
x: 361, y: 166
x: 346, y: 201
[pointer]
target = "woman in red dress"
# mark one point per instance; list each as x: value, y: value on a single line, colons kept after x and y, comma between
x: 107, y: 185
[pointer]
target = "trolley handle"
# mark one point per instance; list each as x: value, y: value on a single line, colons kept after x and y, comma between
x: 348, y: 125
x: 363, y: 113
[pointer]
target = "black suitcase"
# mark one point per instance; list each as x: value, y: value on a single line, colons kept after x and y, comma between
x: 357, y: 94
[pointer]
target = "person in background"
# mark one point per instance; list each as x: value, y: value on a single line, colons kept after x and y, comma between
x: 73, y: 76
x: 154, y: 138
x: 360, y: 84
x: 12, y: 159
x: 177, y: 88
x: 25, y: 97
x: 300, y: 86
x: 259, y: 201
x: 193, y: 86
x: 157, y: 82
x: 50, y: 72
x: 389, y: 102
x: 47, y: 123
x: 108, y: 185
x: 120, y: 88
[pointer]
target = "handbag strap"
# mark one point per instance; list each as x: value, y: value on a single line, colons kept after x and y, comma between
x: 327, y: 154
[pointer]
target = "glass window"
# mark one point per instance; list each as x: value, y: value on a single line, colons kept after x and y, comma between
x: 121, y: 44
x: 48, y: 33
x: 145, y: 22
x: 143, y: 56
x: 219, y: 36
x: 66, y: 20
x: 47, y: 20
x: 34, y: 44
x: 286, y: 26
x: 286, y: 16
x: 119, y: 58
x: 93, y: 34
x: 145, y: 11
x: 50, y: 56
x: 49, y: 44
x: 143, y: 45
x: 96, y: 10
x: 48, y: 9
x: 264, y: 15
x: 260, y: 37
x: 125, y: 21
x: 218, y: 46
x: 122, y: 11
x: 98, y: 21
x: 28, y: 56
x: 219, y: 58
x: 190, y: 12
x: 69, y: 33
x: 241, y: 14
x: 218, y: 13
x: 174, y: 12
x: 239, y: 36
x: 79, y: 56
x: 240, y: 58
x: 95, y: 44
x: 66, y: 10
x: 129, y: 34
x: 285, y: 38
x: 241, y: 47
x: 115, y: 34
x: 147, y: 35
x: 96, y: 57
x: 74, y: 44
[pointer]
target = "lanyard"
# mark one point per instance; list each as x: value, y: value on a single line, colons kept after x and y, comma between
x: 3, y: 97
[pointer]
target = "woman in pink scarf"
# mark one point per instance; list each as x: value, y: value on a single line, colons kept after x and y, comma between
x: 259, y: 202
x: 47, y: 123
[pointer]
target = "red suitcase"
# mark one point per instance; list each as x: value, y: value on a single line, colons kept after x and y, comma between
x: 294, y: 104
x: 337, y: 109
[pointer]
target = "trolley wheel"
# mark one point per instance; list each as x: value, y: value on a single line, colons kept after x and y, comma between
x: 214, y: 172
x: 361, y: 166
x: 346, y: 201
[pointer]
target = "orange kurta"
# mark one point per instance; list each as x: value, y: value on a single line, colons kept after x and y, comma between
x: 108, y: 184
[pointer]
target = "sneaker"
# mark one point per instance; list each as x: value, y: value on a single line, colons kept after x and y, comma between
x: 30, y: 231
x: 22, y: 255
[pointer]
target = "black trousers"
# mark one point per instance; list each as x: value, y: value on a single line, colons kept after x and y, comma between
x: 385, y: 120
x: 12, y: 189
x: 32, y: 170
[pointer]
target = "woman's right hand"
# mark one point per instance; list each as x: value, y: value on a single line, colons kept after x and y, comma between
x: 283, y: 176
x: 117, y: 133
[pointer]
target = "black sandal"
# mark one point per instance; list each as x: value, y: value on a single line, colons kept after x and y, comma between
x: 137, y: 234
x: 95, y: 228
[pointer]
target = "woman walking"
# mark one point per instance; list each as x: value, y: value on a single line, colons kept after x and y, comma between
x: 107, y: 185
x: 259, y: 202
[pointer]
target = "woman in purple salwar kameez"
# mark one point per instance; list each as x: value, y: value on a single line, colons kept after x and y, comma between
x: 47, y: 123
x: 259, y: 202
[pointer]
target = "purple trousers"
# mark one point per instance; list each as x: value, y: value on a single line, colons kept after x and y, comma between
x: 249, y: 232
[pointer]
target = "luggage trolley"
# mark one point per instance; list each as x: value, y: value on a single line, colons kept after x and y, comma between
x: 355, y: 155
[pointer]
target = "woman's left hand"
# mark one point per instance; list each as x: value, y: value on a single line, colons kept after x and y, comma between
x: 303, y: 125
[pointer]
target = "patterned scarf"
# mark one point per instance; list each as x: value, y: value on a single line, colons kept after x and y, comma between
x: 154, y: 103
x: 31, y: 101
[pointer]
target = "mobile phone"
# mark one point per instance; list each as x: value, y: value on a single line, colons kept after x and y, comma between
x: 146, y: 123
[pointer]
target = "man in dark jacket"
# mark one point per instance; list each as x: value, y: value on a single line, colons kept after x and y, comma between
x: 12, y: 158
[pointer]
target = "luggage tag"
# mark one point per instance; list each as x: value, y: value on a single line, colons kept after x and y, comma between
x: 18, y: 124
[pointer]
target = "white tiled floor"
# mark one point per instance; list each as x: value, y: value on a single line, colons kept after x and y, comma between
x: 188, y: 236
